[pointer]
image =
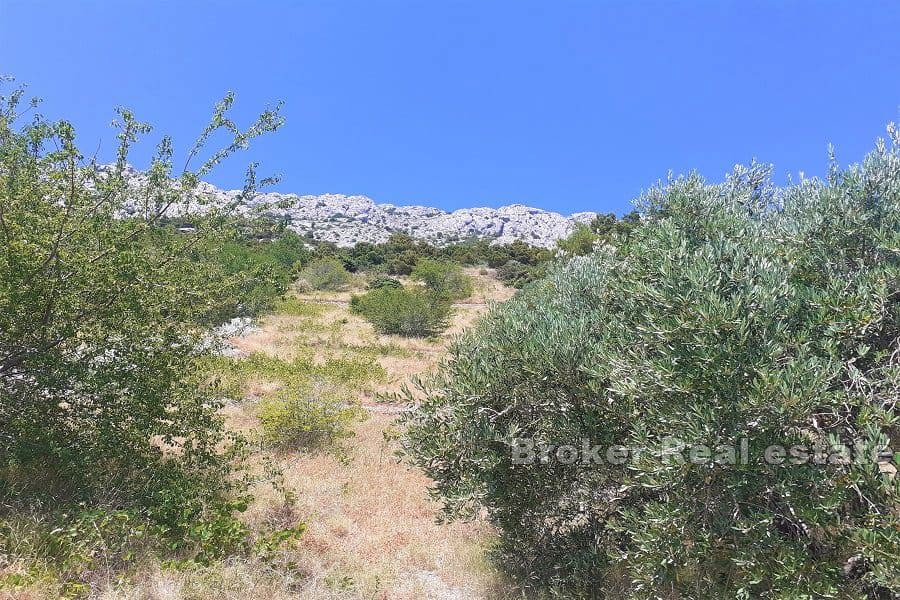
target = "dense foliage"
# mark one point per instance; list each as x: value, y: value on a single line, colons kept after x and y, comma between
x: 604, y: 229
x: 102, y: 410
x: 736, y: 312
x: 255, y: 272
x: 400, y: 254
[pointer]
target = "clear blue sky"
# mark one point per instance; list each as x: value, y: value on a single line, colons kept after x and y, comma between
x: 563, y: 105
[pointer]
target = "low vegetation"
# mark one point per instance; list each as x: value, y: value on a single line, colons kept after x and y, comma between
x: 384, y: 282
x: 262, y: 268
x: 311, y: 405
x: 414, y: 311
x: 400, y: 255
x: 670, y: 352
x: 317, y: 417
x: 603, y: 230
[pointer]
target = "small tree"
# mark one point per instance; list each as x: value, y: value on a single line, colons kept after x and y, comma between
x: 100, y: 337
x: 325, y: 274
x: 604, y: 229
x: 402, y: 311
x: 517, y: 275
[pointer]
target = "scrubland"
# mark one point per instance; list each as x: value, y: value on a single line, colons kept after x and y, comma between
x: 371, y: 529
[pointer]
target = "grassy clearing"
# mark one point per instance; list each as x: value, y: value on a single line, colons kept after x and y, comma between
x: 371, y: 530
x: 296, y: 307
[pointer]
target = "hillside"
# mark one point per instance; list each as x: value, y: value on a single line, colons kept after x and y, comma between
x: 371, y: 528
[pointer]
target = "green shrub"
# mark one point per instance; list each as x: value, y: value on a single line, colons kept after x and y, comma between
x: 325, y: 274
x: 253, y: 280
x: 255, y: 271
x: 353, y: 373
x: 287, y: 249
x: 101, y: 408
x: 297, y: 307
x: 737, y: 314
x: 314, y: 407
x: 579, y: 242
x: 403, y: 311
x: 403, y: 263
x: 60, y: 547
x: 384, y: 282
x: 518, y: 275
x: 317, y: 416
x: 111, y: 444
x: 444, y: 279
x: 604, y: 229
x: 499, y: 254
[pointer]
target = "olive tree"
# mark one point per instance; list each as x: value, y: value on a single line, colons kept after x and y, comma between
x: 739, y: 318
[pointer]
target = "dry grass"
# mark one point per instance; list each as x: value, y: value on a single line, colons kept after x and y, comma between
x: 371, y: 526
x: 488, y: 289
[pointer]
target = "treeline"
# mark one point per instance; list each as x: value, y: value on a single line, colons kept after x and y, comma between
x: 517, y: 263
x: 266, y: 245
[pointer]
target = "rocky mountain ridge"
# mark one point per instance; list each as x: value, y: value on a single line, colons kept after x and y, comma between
x: 348, y: 220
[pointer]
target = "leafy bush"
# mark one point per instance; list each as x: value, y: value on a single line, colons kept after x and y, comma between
x: 403, y: 311
x: 498, y: 255
x: 739, y: 315
x: 60, y: 547
x: 516, y: 274
x: 325, y: 274
x: 364, y: 256
x: 252, y: 260
x: 252, y: 279
x: 604, y: 229
x: 100, y: 405
x: 316, y: 417
x: 403, y: 263
x: 313, y: 406
x: 296, y: 307
x: 444, y: 279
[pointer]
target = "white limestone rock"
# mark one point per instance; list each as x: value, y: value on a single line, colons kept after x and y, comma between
x: 348, y: 220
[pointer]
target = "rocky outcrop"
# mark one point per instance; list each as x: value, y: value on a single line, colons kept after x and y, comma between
x: 348, y: 220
